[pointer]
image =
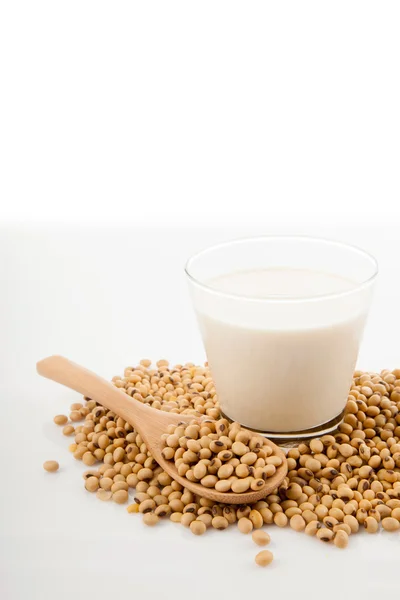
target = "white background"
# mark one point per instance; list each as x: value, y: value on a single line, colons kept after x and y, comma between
x: 168, y: 126
x: 200, y: 111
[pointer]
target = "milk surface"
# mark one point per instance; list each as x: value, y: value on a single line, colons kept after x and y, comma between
x: 281, y: 379
x: 281, y: 283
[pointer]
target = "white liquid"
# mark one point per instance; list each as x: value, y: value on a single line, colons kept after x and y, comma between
x: 281, y: 379
x: 281, y: 283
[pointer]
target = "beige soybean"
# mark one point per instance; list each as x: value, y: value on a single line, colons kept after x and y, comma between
x: 187, y: 518
x: 325, y: 534
x: 240, y: 485
x: 69, y: 430
x: 119, y: 485
x: 371, y: 525
x: 92, y: 484
x: 106, y: 483
x: 75, y: 415
x: 341, y: 539
x: 396, y: 512
x: 352, y: 522
x: 51, y: 466
x: 297, y: 523
x: 312, y: 527
x: 219, y: 523
x: 150, y: 519
x: 120, y: 496
x: 60, y: 419
x: 280, y: 519
x: 390, y: 524
x: 245, y: 525
x: 256, y: 518
x: 264, y: 558
x: 198, y: 527
x: 261, y: 538
x: 176, y: 517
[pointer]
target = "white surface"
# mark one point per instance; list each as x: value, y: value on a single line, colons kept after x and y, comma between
x: 180, y: 111
x: 106, y: 299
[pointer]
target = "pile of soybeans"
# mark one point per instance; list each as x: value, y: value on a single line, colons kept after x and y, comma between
x: 335, y: 485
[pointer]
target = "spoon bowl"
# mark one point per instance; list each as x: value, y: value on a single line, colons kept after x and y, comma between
x: 150, y: 423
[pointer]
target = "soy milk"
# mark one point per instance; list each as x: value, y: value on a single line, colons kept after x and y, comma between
x: 281, y: 378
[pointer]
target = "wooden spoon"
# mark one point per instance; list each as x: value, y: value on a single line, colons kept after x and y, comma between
x: 149, y: 422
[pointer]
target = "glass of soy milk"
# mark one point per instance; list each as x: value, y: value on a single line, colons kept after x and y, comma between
x: 282, y: 319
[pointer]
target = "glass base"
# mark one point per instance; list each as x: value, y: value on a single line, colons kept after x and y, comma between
x: 293, y: 439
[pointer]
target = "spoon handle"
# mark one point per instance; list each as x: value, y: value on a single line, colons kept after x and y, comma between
x: 93, y: 386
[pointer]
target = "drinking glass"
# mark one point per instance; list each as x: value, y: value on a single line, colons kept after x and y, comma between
x: 282, y: 336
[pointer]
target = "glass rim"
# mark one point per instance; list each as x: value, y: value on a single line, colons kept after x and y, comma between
x: 285, y: 299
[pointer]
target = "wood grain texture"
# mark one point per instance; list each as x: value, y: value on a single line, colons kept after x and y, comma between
x: 149, y: 422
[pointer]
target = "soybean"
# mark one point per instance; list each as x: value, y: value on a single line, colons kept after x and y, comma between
x: 51, y: 466
x: 264, y: 558
x: 60, y: 419
x: 197, y: 527
x: 261, y: 538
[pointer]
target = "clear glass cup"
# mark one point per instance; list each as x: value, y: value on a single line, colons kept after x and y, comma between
x: 281, y: 319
